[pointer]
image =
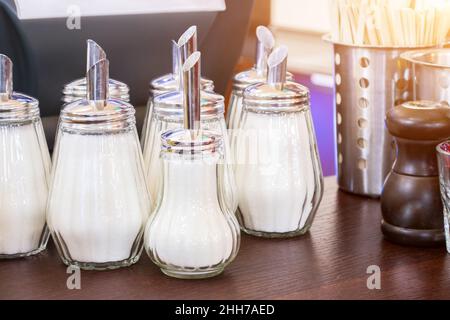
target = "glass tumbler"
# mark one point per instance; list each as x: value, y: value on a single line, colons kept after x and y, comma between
x: 443, y: 151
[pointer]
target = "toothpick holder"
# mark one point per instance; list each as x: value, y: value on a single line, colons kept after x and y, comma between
x: 369, y: 81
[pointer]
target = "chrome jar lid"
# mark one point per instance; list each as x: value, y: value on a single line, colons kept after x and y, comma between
x: 87, y: 115
x: 18, y: 108
x: 14, y: 107
x: 265, y: 98
x: 171, y: 105
x: 97, y: 113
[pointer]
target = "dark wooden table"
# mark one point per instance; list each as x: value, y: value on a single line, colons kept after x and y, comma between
x: 329, y: 263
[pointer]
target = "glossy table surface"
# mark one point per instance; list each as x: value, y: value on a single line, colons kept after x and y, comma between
x: 329, y: 263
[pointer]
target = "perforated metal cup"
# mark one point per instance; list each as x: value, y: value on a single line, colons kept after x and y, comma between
x: 369, y: 81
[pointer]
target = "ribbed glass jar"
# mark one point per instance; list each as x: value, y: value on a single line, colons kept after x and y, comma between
x: 192, y: 234
x: 278, y: 171
x: 98, y: 203
x: 24, y: 173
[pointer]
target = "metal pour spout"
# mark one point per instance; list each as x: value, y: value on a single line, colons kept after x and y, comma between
x: 175, y: 59
x: 6, y: 78
x: 277, y: 64
x: 97, y: 83
x: 97, y: 74
x: 187, y: 43
x: 191, y: 93
x: 265, y: 45
x: 95, y: 53
x: 178, y: 60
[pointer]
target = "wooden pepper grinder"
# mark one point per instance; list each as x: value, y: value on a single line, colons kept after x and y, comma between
x: 411, y: 200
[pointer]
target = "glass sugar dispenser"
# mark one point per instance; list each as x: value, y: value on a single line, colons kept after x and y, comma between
x: 168, y: 114
x: 98, y: 203
x: 278, y: 172
x: 258, y: 74
x: 171, y: 82
x: 24, y: 171
x: 77, y: 89
x: 192, y: 234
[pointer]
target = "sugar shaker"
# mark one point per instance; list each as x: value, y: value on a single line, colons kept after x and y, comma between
x: 192, y: 234
x: 98, y: 203
x: 24, y: 171
x: 278, y: 171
